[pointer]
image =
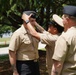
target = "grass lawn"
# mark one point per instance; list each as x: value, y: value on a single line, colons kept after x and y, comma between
x: 4, y: 39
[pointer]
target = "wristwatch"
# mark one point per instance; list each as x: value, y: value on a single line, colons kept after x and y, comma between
x: 27, y: 21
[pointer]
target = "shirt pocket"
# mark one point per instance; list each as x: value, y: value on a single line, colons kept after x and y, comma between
x: 27, y: 39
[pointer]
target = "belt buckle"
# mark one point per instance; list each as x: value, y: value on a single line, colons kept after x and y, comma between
x: 35, y: 60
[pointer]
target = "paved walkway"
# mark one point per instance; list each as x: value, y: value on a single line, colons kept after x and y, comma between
x: 4, y: 50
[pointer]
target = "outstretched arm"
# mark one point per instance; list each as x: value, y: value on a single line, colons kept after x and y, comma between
x: 43, y: 37
x: 33, y: 32
x: 39, y: 28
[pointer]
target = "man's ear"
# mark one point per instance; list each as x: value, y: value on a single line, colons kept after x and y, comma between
x: 68, y: 20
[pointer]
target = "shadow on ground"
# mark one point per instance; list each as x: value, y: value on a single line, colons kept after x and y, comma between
x: 5, y: 68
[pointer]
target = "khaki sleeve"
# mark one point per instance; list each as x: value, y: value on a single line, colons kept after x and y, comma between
x: 14, y: 42
x: 60, y: 49
x: 47, y: 38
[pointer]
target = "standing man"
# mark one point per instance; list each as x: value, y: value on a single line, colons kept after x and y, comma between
x: 65, y: 50
x: 45, y: 37
x: 23, y: 49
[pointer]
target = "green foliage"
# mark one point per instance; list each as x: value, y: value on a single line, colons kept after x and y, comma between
x: 5, y: 42
x: 4, y: 57
x: 11, y: 10
x: 5, y: 29
x: 4, y: 45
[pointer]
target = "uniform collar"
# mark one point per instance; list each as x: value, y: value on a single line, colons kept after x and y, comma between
x: 23, y: 29
x: 73, y: 27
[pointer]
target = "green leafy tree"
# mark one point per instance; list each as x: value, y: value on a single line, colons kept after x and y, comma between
x: 11, y: 10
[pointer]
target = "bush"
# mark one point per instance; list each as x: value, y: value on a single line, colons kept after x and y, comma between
x: 4, y: 57
x: 4, y: 45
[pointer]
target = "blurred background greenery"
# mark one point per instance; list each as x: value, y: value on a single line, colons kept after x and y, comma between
x: 11, y: 10
x: 4, y: 42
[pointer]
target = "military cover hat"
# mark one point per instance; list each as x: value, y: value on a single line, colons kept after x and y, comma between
x: 69, y: 10
x: 30, y: 12
x: 58, y: 20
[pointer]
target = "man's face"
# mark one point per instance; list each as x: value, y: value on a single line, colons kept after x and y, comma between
x: 52, y: 29
x: 32, y: 21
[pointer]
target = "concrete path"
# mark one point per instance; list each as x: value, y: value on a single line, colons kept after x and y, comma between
x: 4, y: 50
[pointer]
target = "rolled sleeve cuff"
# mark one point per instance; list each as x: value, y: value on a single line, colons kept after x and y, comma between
x: 56, y: 58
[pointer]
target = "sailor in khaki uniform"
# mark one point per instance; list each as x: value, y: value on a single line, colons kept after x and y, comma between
x: 65, y: 50
x: 23, y: 50
x: 47, y: 38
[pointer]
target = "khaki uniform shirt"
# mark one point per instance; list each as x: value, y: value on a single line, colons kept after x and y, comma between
x: 25, y: 46
x: 65, y: 51
x: 48, y: 39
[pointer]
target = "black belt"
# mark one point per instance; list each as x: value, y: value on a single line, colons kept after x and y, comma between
x: 36, y: 60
